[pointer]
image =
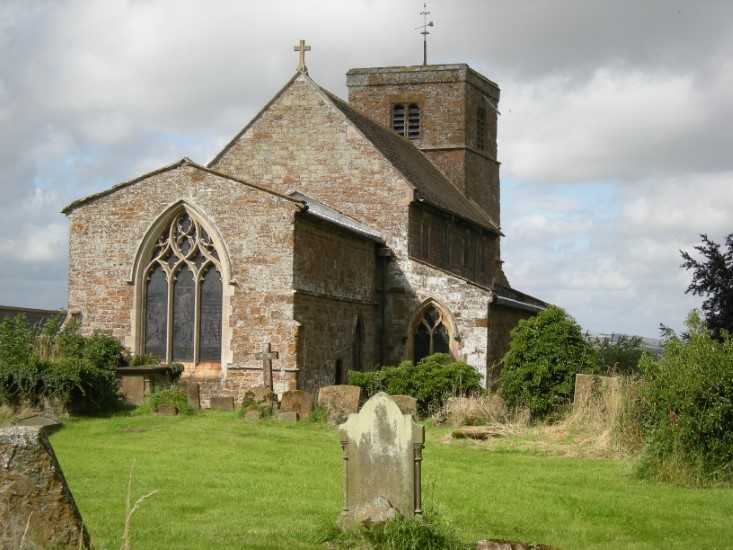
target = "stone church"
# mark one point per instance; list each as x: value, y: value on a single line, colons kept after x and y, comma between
x: 344, y: 235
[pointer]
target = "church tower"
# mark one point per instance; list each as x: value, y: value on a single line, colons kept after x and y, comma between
x: 448, y: 111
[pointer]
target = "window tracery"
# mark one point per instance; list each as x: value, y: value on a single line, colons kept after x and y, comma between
x: 430, y: 334
x: 183, y: 294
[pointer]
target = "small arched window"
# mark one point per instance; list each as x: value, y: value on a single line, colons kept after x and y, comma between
x: 182, y: 295
x: 406, y: 120
x: 430, y: 334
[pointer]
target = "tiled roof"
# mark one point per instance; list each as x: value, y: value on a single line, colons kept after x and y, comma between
x: 430, y: 184
x: 329, y: 214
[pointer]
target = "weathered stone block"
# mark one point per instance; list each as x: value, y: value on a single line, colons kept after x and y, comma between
x: 166, y: 410
x: 36, y: 505
x: 290, y: 417
x: 339, y: 401
x: 222, y: 403
x: 297, y: 401
x: 192, y: 391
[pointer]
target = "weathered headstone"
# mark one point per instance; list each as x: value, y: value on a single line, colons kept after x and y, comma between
x: 166, y: 409
x: 261, y: 399
x: 37, y: 509
x: 191, y: 389
x: 339, y: 401
x: 222, y: 403
x: 406, y: 403
x: 297, y: 401
x: 291, y: 417
x: 382, y: 450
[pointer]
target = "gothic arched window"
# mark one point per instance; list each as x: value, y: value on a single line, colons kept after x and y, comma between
x: 430, y: 334
x: 182, y: 291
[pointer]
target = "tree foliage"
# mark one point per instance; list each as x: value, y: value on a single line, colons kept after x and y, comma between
x: 688, y: 407
x: 712, y: 277
x: 617, y: 355
x: 545, y: 354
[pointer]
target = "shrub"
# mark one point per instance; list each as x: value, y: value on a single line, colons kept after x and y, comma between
x: 688, y: 408
x: 49, y: 362
x: 168, y: 395
x: 545, y: 354
x: 431, y: 381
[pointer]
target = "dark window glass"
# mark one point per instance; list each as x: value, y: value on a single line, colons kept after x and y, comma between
x: 431, y: 335
x: 156, y: 313
x: 210, y: 328
x: 421, y: 345
x: 184, y: 319
x: 339, y: 375
x: 192, y: 316
x: 441, y: 341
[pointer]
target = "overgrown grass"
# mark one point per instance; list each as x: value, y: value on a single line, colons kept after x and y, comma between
x: 225, y: 483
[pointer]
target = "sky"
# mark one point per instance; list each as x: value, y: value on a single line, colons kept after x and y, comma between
x: 614, y: 135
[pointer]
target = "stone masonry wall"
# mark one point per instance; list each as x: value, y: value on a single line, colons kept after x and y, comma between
x: 256, y: 232
x: 449, y: 97
x: 302, y: 142
x: 334, y: 282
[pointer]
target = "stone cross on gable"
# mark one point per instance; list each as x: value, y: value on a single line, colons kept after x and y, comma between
x: 302, y: 48
x: 266, y: 355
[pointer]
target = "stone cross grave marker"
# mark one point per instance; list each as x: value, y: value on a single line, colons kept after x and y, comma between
x: 382, y: 449
x: 266, y: 355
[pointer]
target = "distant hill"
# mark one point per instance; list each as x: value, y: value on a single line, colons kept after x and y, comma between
x: 654, y: 345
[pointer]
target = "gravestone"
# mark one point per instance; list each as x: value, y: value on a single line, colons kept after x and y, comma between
x: 192, y: 391
x: 406, y: 403
x: 289, y: 417
x: 166, y: 409
x: 339, y: 401
x: 37, y: 509
x: 297, y: 401
x: 260, y: 399
x: 382, y: 451
x: 222, y: 403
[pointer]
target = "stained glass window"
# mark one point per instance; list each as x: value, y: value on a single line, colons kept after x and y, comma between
x: 183, y: 295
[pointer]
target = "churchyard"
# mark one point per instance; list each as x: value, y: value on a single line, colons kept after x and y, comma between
x: 221, y: 481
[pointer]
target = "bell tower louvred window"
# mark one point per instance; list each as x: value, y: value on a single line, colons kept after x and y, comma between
x: 406, y: 120
x: 183, y: 295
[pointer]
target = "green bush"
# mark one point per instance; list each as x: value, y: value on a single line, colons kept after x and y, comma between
x: 168, y: 395
x: 37, y: 363
x: 545, y: 354
x: 431, y: 381
x: 688, y: 408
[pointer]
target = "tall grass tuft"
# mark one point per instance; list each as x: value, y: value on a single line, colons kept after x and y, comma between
x: 130, y: 510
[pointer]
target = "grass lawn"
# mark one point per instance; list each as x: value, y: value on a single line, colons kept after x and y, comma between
x: 223, y: 482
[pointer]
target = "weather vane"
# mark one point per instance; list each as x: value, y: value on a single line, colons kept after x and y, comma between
x: 425, y: 32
